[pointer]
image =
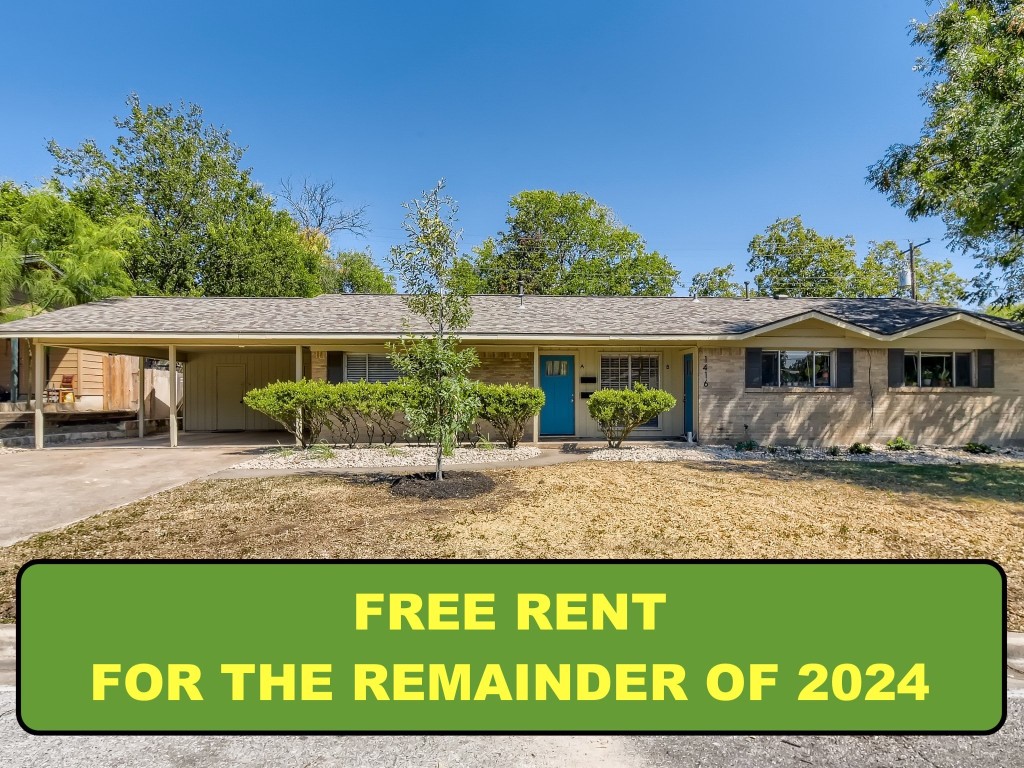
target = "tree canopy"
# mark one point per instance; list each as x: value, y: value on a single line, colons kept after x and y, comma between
x: 793, y: 259
x: 568, y: 243
x: 717, y: 281
x: 52, y: 255
x: 356, y: 272
x: 209, y: 229
x: 967, y: 165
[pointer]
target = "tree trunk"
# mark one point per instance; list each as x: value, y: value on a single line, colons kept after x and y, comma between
x: 438, y: 473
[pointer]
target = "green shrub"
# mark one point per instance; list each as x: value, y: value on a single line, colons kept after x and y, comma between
x: 346, y: 407
x: 860, y: 449
x: 381, y: 407
x: 375, y: 406
x: 899, y: 444
x: 747, y: 445
x: 979, y: 448
x: 834, y: 450
x: 619, y: 411
x: 301, y: 407
x: 508, y: 407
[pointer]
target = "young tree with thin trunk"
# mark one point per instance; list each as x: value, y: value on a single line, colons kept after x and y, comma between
x: 443, y: 402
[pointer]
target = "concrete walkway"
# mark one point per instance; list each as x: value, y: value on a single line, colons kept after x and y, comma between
x: 52, y: 488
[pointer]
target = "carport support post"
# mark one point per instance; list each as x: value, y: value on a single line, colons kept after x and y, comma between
x: 142, y: 397
x: 172, y: 359
x: 298, y: 377
x: 39, y: 383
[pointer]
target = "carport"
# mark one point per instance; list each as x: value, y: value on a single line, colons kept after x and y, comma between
x: 216, y: 377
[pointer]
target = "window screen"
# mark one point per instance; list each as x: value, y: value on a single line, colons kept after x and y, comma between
x: 623, y: 371
x: 372, y: 368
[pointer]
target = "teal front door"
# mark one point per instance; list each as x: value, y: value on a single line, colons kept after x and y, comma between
x: 688, y: 394
x: 557, y: 379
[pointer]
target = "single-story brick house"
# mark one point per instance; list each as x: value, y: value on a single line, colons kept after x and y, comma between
x: 776, y: 370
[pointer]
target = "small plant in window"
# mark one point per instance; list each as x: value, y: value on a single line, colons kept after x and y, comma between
x: 926, y: 377
x: 834, y: 450
x: 899, y: 444
x: 944, y: 378
x: 860, y: 449
x: 979, y: 448
x: 747, y: 445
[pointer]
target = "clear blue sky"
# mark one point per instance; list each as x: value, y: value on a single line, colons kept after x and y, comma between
x: 698, y: 123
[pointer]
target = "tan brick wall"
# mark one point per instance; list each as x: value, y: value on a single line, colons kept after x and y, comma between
x: 505, y: 368
x: 869, y: 412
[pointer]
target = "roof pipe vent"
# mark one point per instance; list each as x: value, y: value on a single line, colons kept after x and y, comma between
x: 780, y: 296
x: 746, y: 290
x: 522, y: 292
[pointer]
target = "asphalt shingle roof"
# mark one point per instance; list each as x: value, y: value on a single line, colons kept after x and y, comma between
x: 556, y: 316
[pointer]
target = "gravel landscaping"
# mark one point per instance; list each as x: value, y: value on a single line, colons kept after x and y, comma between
x: 395, y: 456
x: 944, y: 456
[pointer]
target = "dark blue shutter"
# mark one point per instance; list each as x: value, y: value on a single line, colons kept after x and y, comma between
x: 753, y: 380
x: 986, y: 368
x: 844, y: 367
x: 335, y: 367
x: 897, y: 366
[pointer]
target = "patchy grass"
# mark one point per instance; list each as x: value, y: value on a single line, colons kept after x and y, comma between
x: 584, y: 510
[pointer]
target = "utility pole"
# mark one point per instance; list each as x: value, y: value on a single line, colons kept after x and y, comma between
x: 913, y: 267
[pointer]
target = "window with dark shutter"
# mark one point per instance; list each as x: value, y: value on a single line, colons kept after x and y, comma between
x: 372, y: 368
x: 844, y: 368
x: 753, y: 368
x: 987, y: 368
x: 896, y: 368
x: 335, y: 367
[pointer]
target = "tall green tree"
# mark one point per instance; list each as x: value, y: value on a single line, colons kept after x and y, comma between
x: 356, y: 272
x: 566, y: 244
x: 793, y: 259
x: 209, y: 229
x: 53, y: 255
x: 880, y: 275
x: 717, y: 281
x: 967, y: 165
x: 444, y: 403
x: 790, y: 258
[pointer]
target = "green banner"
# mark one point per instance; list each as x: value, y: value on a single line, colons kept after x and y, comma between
x: 475, y: 646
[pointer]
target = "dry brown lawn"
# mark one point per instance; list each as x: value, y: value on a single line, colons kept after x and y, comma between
x: 582, y: 510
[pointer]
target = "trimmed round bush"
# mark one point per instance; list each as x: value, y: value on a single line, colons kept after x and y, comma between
x: 619, y: 411
x: 508, y: 407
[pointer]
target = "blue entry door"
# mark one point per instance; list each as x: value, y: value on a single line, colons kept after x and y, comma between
x: 688, y: 394
x: 558, y: 380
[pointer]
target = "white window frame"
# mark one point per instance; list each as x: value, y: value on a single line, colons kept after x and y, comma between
x: 954, y: 384
x: 629, y: 368
x: 351, y: 356
x: 815, y: 353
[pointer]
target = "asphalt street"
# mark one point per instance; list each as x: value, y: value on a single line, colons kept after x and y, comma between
x: 18, y: 749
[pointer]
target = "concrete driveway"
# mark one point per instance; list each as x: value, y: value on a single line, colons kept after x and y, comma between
x: 49, y: 489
